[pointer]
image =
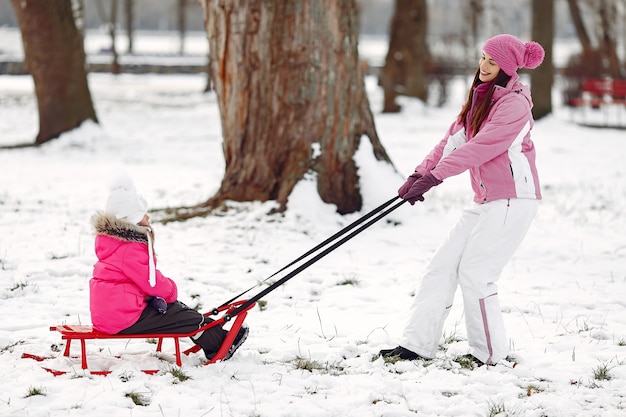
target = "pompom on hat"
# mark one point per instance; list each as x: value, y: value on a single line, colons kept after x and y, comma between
x: 510, y: 53
x: 124, y: 202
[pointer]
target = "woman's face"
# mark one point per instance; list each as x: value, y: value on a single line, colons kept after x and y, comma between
x: 488, y: 68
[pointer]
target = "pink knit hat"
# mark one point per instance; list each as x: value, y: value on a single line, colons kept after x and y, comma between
x: 510, y: 53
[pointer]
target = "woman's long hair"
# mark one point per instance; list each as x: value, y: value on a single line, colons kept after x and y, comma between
x: 482, y: 108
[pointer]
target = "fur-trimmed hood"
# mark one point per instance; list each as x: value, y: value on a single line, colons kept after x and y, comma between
x: 109, y: 225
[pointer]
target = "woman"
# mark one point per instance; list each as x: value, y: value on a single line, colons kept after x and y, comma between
x: 128, y: 294
x: 491, y: 139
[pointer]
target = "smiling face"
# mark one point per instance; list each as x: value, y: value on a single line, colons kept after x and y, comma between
x: 488, y: 68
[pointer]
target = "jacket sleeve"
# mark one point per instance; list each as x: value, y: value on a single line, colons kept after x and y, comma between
x: 135, y: 267
x: 432, y: 159
x: 509, y: 120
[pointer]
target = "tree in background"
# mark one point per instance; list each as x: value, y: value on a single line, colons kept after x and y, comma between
x: 541, y: 78
x: 54, y: 56
x: 112, y: 28
x: 129, y: 6
x: 182, y: 24
x: 404, y: 72
x: 597, y: 30
x: 291, y: 96
x: 600, y: 59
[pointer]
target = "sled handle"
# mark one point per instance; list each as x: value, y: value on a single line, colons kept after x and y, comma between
x: 318, y: 247
x: 316, y: 258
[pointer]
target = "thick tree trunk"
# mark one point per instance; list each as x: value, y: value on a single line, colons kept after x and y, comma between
x: 292, y: 98
x: 541, y: 79
x: 55, y: 57
x: 407, y: 56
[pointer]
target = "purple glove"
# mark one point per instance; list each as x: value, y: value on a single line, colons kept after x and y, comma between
x: 407, y: 184
x: 419, y: 188
x: 157, y: 303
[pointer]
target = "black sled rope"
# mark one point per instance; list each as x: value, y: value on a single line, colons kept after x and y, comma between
x: 375, y: 215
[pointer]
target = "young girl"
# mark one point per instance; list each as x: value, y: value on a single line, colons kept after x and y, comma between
x: 491, y: 139
x: 128, y: 294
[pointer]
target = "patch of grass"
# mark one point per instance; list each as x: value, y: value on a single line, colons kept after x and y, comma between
x: 10, y: 346
x: 497, y: 409
x: 451, y: 338
x: 138, y: 398
x: 583, y: 326
x: 311, y: 365
x: 311, y: 390
x: 389, y: 359
x: 602, y: 373
x: 32, y: 391
x: 179, y: 375
x: 349, y: 281
x: 466, y: 362
x: 307, y: 364
x: 384, y: 401
x: 19, y: 286
x: 531, y: 389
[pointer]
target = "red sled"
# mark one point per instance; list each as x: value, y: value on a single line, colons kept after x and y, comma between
x: 70, y: 332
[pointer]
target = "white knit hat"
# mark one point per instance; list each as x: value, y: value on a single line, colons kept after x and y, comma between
x: 124, y: 202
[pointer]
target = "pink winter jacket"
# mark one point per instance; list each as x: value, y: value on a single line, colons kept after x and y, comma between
x: 120, y: 281
x: 500, y: 157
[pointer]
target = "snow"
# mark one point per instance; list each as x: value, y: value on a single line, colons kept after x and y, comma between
x: 312, y: 349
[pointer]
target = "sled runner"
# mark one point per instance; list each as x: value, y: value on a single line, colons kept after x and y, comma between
x: 82, y: 333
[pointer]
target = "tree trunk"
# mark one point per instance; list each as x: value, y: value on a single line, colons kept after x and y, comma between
x: 115, y: 64
x: 408, y: 56
x: 474, y: 10
x: 129, y: 7
x: 579, y: 25
x: 182, y: 24
x: 541, y: 79
x: 292, y: 98
x: 55, y: 57
x: 608, y: 13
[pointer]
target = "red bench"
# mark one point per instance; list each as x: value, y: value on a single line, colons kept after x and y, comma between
x: 598, y: 91
x: 70, y: 332
x: 601, y: 93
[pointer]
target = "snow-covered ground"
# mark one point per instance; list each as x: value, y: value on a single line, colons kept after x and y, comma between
x: 312, y: 349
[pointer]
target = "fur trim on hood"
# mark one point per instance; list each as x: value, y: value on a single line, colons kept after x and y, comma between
x: 109, y: 225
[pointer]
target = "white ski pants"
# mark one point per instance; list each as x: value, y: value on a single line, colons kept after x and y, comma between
x: 472, y: 257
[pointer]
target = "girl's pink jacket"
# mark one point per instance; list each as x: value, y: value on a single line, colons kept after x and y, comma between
x: 120, y: 282
x: 500, y: 157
